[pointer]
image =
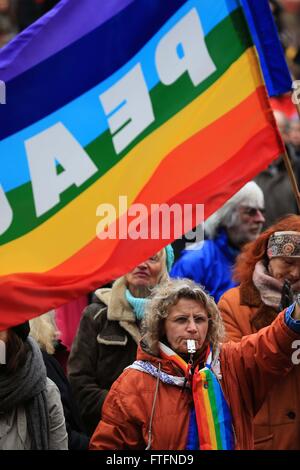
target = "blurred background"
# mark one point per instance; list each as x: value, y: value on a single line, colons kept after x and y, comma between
x: 16, y: 15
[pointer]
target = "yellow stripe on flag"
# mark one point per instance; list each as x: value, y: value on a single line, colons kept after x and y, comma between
x: 46, y: 246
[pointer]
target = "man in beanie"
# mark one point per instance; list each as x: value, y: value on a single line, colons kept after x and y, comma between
x: 268, y: 272
x: 239, y: 221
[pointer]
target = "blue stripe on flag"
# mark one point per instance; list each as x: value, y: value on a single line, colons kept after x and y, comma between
x: 82, y: 65
x: 264, y: 34
x: 90, y: 120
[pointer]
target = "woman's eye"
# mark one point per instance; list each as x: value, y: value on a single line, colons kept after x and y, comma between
x: 181, y: 319
x: 199, y: 319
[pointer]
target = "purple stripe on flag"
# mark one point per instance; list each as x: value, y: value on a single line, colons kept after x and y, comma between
x: 83, y: 17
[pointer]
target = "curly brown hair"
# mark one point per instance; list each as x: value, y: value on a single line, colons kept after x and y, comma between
x: 165, y: 296
x: 257, y: 250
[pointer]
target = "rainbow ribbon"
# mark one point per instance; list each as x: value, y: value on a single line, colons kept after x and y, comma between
x: 210, y: 426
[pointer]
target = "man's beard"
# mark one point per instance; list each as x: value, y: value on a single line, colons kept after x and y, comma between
x: 238, y: 238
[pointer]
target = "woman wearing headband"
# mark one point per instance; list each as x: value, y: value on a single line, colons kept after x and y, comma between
x: 269, y: 274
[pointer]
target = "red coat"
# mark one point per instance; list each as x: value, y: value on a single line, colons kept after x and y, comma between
x: 277, y: 423
x: 248, y: 368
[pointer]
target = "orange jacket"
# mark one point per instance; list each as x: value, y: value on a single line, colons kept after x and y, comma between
x: 277, y: 423
x: 248, y: 369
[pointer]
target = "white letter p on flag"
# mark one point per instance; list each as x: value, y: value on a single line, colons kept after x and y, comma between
x: 186, y: 36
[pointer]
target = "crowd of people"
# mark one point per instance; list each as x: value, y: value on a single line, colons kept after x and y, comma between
x: 157, y: 364
x: 194, y: 354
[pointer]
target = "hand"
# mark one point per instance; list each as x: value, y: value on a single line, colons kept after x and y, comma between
x: 296, y: 313
x: 287, y: 295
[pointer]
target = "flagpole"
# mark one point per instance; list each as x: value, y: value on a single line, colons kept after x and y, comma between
x: 290, y: 170
x: 292, y: 177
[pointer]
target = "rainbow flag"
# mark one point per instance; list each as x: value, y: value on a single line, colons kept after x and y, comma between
x: 143, y: 102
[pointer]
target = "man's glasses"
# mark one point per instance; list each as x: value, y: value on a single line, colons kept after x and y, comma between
x: 252, y: 211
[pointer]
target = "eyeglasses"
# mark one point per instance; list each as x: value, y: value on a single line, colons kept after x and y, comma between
x: 252, y: 211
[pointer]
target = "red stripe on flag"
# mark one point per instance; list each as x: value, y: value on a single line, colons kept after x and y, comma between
x: 25, y: 295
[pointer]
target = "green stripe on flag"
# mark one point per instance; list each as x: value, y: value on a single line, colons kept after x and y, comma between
x: 214, y: 408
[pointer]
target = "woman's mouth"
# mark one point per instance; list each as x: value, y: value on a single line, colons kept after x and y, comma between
x: 141, y: 274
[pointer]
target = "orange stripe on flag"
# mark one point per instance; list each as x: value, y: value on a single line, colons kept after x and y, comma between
x: 262, y: 146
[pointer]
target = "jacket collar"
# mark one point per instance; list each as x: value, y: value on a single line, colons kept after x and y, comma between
x: 261, y: 315
x: 166, y: 365
x: 249, y: 294
x: 222, y: 241
x: 118, y: 309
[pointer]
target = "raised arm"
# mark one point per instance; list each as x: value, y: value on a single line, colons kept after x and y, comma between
x: 259, y: 360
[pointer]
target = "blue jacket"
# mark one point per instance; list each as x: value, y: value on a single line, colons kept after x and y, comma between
x: 211, y: 265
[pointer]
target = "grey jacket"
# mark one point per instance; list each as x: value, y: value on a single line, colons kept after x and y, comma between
x: 105, y: 344
x: 13, y: 426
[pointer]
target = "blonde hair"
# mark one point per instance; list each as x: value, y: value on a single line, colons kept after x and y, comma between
x: 165, y: 296
x: 164, y: 275
x: 44, y: 330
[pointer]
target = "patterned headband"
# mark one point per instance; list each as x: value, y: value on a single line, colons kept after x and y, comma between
x: 284, y: 244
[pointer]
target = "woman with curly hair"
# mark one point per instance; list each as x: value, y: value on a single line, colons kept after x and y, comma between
x: 186, y: 390
x: 268, y: 270
x: 109, y: 334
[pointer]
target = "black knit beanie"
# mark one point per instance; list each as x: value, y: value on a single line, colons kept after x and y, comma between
x: 22, y: 330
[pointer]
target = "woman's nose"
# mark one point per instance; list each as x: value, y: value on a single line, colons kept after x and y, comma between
x: 192, y: 328
x: 259, y: 216
x: 142, y: 265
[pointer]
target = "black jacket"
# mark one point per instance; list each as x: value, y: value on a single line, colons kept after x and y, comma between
x: 105, y: 344
x: 77, y: 440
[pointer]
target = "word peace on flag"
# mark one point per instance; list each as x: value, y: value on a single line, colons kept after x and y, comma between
x: 128, y: 109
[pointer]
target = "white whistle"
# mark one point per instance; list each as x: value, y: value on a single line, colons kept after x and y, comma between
x: 191, y: 346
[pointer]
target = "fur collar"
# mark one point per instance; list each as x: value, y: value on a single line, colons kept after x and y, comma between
x: 262, y: 315
x: 118, y: 309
